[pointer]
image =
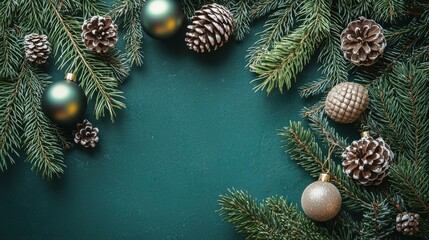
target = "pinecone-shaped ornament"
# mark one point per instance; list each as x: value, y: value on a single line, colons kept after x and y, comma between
x: 407, y: 223
x: 211, y: 27
x: 37, y: 48
x: 363, y: 41
x: 346, y: 102
x: 99, y: 33
x: 86, y: 135
x: 367, y: 160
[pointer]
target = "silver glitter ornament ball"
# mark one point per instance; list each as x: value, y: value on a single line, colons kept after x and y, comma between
x: 321, y: 200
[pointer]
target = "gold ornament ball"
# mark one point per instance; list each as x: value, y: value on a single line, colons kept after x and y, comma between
x: 321, y: 200
x: 346, y: 102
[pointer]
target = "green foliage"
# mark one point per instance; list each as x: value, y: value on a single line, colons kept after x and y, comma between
x: 40, y: 137
x: 272, y: 219
x: 127, y: 14
x: 23, y: 126
x: 277, y: 68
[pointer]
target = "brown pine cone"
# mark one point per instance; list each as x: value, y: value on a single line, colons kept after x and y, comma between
x: 363, y: 41
x: 211, y: 27
x: 37, y: 48
x: 346, y: 102
x: 407, y: 223
x: 86, y: 135
x: 99, y: 33
x: 367, y: 160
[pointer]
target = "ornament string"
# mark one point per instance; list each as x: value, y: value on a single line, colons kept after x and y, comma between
x: 328, y: 159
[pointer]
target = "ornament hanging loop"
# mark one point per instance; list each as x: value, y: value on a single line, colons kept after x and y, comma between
x: 70, y: 77
x: 327, y: 162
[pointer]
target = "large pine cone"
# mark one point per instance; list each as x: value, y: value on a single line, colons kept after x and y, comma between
x: 99, y: 33
x: 346, y: 102
x: 407, y: 223
x: 86, y: 135
x: 211, y: 27
x: 367, y: 160
x: 37, y: 48
x: 363, y: 41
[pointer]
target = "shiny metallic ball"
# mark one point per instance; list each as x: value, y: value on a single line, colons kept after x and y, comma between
x: 321, y: 201
x: 64, y: 102
x: 162, y: 19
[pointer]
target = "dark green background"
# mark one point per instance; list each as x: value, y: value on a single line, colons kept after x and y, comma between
x: 193, y: 128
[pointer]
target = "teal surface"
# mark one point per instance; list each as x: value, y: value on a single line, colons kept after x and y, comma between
x: 193, y: 128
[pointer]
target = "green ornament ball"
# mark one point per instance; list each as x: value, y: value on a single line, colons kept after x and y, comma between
x: 162, y: 19
x: 64, y: 102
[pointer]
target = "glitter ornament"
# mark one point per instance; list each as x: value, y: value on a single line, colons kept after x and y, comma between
x: 321, y: 200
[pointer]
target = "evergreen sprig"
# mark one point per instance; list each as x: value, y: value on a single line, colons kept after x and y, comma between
x: 277, y: 68
x: 23, y: 126
x: 273, y: 219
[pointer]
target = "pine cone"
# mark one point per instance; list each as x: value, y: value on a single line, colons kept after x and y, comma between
x: 367, y: 160
x: 37, y: 48
x: 363, y: 41
x: 86, y: 135
x: 99, y: 33
x: 211, y: 27
x: 407, y: 223
x: 346, y: 102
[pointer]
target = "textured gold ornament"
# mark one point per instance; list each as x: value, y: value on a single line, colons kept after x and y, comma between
x: 321, y: 200
x: 346, y: 102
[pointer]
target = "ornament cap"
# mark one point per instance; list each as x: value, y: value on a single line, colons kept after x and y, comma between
x: 70, y: 77
x: 324, y: 177
x: 365, y: 134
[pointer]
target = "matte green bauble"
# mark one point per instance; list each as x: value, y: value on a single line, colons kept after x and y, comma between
x: 64, y: 102
x: 161, y: 19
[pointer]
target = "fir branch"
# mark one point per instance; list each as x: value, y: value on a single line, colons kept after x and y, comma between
x: 10, y: 53
x: 377, y: 222
x: 274, y: 219
x: 7, y: 10
x: 40, y: 137
x: 263, y: 7
x: 91, y: 8
x: 303, y: 148
x: 320, y: 125
x: 96, y: 77
x: 278, y: 68
x: 334, y: 66
x: 10, y: 121
x: 276, y: 27
x: 410, y: 181
x: 399, y: 109
x: 240, y: 10
x: 127, y: 13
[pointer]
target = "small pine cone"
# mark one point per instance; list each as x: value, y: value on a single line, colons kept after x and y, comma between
x: 99, y: 33
x: 346, y: 102
x: 37, y: 48
x: 86, y: 135
x: 367, y: 160
x: 211, y: 27
x: 363, y: 41
x: 407, y: 223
